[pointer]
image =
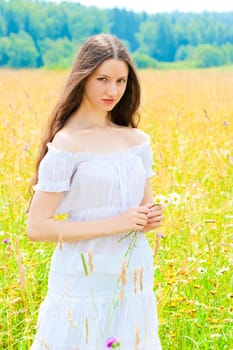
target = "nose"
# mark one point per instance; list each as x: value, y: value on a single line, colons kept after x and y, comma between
x: 112, y: 89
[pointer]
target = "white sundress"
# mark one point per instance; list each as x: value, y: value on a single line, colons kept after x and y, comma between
x: 87, y: 301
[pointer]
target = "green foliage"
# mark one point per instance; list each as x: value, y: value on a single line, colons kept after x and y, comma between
x: 18, y: 50
x: 183, y: 52
x: 2, y: 26
x: 85, y: 21
x: 206, y: 55
x: 57, y: 53
x: 124, y: 24
x: 163, y: 37
x: 4, y: 50
x: 159, y: 38
x: 144, y: 61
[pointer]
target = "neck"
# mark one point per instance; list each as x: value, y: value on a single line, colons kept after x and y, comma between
x: 87, y: 118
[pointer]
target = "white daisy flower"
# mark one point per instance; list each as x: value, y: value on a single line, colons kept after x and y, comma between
x: 161, y: 199
x: 201, y: 270
x: 174, y: 198
x: 222, y: 270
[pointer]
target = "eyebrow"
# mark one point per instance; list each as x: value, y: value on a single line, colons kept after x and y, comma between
x: 107, y: 76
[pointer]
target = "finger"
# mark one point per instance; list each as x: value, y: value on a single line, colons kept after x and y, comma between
x: 156, y: 208
x: 158, y: 218
x: 155, y: 205
x: 143, y: 216
x: 154, y: 220
x: 140, y: 227
x: 149, y: 205
x: 155, y: 214
x: 155, y: 224
x: 141, y: 222
x: 143, y: 209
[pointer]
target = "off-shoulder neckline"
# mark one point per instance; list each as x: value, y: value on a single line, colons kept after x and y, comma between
x: 97, y: 154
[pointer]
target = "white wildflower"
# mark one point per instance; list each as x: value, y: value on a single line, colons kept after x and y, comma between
x: 174, y: 198
x: 201, y: 270
x: 191, y: 258
x: 215, y: 335
x: 222, y: 270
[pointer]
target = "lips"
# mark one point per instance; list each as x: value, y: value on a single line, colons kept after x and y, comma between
x: 108, y: 101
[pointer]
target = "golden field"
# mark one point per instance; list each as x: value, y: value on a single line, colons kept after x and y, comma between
x: 189, y: 116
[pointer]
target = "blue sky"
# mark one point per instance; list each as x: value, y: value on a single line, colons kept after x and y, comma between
x: 153, y: 6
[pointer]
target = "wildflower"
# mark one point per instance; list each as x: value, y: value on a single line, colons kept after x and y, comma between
x: 158, y: 199
x: 191, y: 258
x: 40, y: 251
x: 165, y: 201
x: 222, y: 270
x: 112, y: 343
x: 230, y: 295
x: 226, y: 123
x: 160, y: 235
x: 216, y: 335
x: 5, y: 241
x: 201, y: 269
x: 174, y: 198
x: 26, y: 147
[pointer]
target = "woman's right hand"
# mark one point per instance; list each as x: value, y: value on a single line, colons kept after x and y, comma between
x: 132, y: 219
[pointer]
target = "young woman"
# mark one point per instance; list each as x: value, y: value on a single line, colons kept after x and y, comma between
x: 95, y: 166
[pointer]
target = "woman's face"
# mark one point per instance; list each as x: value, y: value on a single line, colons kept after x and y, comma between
x: 106, y: 85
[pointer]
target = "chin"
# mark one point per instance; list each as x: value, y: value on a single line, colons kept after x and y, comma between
x: 108, y: 109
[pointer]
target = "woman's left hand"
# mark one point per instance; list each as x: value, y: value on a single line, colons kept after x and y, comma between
x: 155, y: 216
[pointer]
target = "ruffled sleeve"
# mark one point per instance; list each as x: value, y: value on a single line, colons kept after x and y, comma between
x: 147, y: 157
x: 55, y: 171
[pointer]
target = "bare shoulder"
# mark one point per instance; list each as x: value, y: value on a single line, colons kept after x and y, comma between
x: 137, y: 136
x: 67, y: 139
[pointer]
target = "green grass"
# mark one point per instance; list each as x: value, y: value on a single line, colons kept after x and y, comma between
x: 185, y: 113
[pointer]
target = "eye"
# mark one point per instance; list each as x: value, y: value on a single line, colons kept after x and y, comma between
x: 121, y: 80
x: 103, y: 79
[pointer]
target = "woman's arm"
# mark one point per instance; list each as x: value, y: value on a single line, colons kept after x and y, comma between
x: 43, y: 227
x: 155, y: 215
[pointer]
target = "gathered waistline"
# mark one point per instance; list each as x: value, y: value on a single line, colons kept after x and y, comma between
x: 99, y: 297
x: 103, y: 210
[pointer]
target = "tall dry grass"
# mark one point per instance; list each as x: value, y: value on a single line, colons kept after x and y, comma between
x: 189, y: 115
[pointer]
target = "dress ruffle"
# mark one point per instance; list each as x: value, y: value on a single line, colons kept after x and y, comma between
x: 61, y: 316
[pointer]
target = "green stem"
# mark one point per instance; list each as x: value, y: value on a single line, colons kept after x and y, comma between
x: 84, y: 264
x: 115, y: 298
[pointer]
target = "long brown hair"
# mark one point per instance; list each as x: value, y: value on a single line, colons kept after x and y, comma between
x: 94, y: 51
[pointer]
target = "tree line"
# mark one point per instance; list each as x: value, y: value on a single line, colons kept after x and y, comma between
x: 39, y: 33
